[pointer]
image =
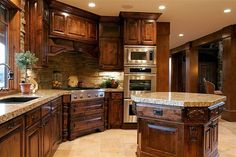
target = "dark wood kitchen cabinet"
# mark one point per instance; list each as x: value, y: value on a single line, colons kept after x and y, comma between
x: 12, y: 138
x: 110, y: 45
x: 114, y: 109
x: 85, y: 117
x: 140, y: 28
x: 37, y: 29
x: 73, y: 24
x: 46, y: 128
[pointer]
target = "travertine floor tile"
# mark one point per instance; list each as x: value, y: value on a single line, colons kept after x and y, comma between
x: 123, y: 143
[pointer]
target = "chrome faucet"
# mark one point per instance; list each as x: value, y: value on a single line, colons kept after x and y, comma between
x: 10, y: 72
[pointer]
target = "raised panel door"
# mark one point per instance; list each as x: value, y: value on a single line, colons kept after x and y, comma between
x: 56, y: 128
x: 160, y: 139
x: 46, y: 136
x: 91, y: 30
x: 132, y: 32
x: 115, y: 113
x: 12, y: 144
x: 110, y: 54
x: 148, y: 32
x: 76, y: 27
x: 33, y: 141
x: 58, y: 25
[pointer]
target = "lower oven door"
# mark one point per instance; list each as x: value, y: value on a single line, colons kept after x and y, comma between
x: 139, y: 83
x: 129, y: 115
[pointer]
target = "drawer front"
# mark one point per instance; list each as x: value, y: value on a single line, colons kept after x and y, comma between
x: 87, y: 108
x: 160, y: 113
x: 56, y: 103
x: 87, y: 122
x: 46, y: 109
x: 11, y: 125
x: 116, y: 96
x: 33, y: 116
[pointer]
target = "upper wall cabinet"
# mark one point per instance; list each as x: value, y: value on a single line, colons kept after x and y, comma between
x: 37, y: 29
x: 140, y: 28
x: 74, y: 24
x: 72, y: 27
x: 111, y: 54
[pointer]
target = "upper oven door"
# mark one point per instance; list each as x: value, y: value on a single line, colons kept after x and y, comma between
x: 139, y: 55
x: 139, y: 83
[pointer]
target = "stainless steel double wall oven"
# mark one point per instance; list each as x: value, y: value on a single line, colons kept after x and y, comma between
x: 139, y: 75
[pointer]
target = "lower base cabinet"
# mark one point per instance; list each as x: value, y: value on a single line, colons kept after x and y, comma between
x: 33, y: 141
x: 12, y: 136
x: 38, y: 133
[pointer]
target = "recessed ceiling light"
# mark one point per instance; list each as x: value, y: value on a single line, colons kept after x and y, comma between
x: 227, y: 10
x: 162, y: 7
x: 181, y: 35
x: 92, y: 5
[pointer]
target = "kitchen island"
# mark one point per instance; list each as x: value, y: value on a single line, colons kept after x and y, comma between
x: 178, y: 124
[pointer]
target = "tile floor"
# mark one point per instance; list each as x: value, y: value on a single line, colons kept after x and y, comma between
x: 122, y: 143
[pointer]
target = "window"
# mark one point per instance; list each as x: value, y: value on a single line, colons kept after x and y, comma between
x: 3, y: 45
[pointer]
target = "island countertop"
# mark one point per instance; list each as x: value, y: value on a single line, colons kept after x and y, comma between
x: 179, y: 99
x: 10, y: 111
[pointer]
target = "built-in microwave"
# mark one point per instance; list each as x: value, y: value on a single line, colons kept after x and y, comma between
x: 139, y: 55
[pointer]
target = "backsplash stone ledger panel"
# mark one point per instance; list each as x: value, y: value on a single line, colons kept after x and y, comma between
x: 74, y: 63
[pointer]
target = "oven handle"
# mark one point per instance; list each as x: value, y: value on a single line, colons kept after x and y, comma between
x: 141, y: 74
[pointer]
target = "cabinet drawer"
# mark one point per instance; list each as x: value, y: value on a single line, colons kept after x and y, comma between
x: 160, y: 112
x: 46, y: 109
x: 96, y: 108
x: 10, y: 126
x: 56, y: 103
x: 87, y: 123
x: 116, y: 96
x: 33, y: 116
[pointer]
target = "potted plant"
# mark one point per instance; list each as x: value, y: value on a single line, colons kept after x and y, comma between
x: 25, y: 61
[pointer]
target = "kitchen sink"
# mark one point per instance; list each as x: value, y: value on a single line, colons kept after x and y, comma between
x: 17, y: 100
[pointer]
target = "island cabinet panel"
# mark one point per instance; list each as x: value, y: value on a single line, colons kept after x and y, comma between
x: 162, y: 140
x: 12, y: 138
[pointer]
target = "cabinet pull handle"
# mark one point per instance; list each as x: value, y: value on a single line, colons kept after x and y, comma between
x: 162, y: 128
x: 158, y: 112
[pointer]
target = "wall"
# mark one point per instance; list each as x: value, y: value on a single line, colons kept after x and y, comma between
x: 74, y: 63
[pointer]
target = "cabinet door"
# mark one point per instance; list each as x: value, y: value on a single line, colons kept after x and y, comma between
x: 33, y: 141
x: 148, y: 32
x: 91, y: 30
x: 115, y: 113
x: 132, y: 31
x: 76, y: 27
x: 56, y: 128
x: 12, y: 143
x: 46, y: 136
x: 161, y: 139
x: 109, y: 29
x: 58, y: 23
x: 110, y: 54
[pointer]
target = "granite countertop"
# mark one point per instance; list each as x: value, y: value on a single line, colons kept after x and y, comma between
x: 179, y: 99
x: 114, y: 89
x: 10, y: 111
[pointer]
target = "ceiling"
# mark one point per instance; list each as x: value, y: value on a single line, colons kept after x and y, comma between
x: 193, y: 18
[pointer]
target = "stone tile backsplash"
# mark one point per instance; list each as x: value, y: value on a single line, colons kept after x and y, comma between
x: 74, y: 63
